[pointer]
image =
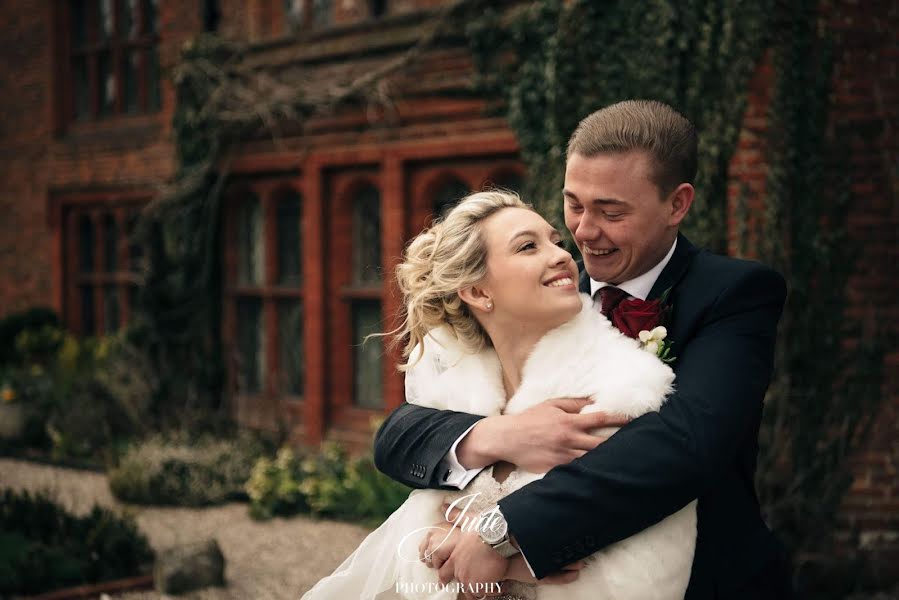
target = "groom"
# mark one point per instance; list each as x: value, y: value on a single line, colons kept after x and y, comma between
x: 628, y: 186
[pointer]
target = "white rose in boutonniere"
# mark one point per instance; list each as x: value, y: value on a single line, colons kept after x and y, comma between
x: 654, y: 342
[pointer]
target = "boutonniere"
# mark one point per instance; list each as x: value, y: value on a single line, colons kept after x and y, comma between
x: 645, y: 320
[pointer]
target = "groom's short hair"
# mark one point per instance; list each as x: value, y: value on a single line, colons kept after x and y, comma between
x: 668, y: 137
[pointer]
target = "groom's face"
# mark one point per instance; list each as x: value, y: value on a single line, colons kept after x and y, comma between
x: 613, y: 208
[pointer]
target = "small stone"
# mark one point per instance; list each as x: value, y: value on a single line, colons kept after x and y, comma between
x: 189, y: 567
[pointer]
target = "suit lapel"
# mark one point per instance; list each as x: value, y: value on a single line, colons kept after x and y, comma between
x: 675, y: 269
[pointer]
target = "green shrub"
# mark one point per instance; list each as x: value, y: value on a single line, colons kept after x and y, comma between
x: 14, y: 324
x: 176, y: 471
x: 77, y: 408
x: 43, y: 546
x: 329, y: 483
x: 274, y: 486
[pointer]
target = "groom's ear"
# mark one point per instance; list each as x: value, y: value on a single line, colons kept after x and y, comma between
x: 681, y: 200
x: 476, y: 297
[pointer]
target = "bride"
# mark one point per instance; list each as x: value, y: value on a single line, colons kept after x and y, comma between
x: 495, y: 325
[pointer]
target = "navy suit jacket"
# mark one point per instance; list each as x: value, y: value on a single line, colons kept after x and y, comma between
x: 702, y: 444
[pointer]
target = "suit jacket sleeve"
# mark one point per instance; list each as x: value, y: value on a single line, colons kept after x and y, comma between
x: 414, y: 439
x: 661, y: 461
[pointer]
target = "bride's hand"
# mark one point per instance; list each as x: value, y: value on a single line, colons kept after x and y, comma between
x: 544, y: 436
x: 518, y: 570
x: 438, y: 544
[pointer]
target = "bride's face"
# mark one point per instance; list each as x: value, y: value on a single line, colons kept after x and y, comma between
x: 531, y: 280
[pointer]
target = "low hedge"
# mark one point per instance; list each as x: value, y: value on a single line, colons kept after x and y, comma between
x: 44, y: 547
x: 329, y: 483
x: 182, y: 472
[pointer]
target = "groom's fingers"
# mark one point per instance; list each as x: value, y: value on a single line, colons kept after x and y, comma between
x: 585, y: 441
x: 569, y: 405
x: 598, y: 420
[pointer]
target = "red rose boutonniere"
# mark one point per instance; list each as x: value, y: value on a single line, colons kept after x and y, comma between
x: 645, y: 320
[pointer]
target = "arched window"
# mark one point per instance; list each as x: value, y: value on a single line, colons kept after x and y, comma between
x: 266, y: 289
x: 447, y: 195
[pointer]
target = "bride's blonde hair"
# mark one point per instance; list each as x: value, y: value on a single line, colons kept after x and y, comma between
x: 449, y: 256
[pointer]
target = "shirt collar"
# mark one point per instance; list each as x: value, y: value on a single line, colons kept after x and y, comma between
x: 640, y: 286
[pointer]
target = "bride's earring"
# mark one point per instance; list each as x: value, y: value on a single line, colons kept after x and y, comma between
x: 490, y: 306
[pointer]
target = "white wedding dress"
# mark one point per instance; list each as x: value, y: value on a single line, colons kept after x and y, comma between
x: 586, y: 357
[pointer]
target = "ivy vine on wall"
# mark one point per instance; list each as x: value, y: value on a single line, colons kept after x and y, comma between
x: 552, y: 62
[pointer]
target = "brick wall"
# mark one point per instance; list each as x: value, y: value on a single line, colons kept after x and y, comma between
x: 24, y: 128
x: 866, y: 96
x: 865, y: 116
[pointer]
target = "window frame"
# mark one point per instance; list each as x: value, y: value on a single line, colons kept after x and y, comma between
x: 342, y: 292
x: 118, y: 48
x: 68, y: 209
x: 270, y: 403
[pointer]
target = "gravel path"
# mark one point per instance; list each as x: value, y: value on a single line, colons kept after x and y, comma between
x: 270, y: 560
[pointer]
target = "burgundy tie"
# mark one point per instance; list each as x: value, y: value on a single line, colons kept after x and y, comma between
x: 609, y: 297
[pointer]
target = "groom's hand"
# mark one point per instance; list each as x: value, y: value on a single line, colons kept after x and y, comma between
x: 473, y: 563
x: 544, y: 436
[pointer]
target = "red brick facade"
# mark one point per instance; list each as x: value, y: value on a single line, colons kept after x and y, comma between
x: 50, y: 163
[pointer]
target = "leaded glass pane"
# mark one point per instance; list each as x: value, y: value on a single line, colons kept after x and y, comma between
x: 150, y: 10
x: 367, y: 236
x: 250, y: 246
x: 131, y: 67
x: 105, y: 19
x: 290, y: 343
x: 294, y: 14
x: 321, y: 12
x: 110, y: 309
x: 111, y: 243
x: 106, y: 80
x: 133, y: 296
x: 82, y: 87
x: 79, y: 24
x: 250, y: 346
x: 447, y: 196
x: 135, y: 250
x: 154, y: 92
x: 129, y: 27
x: 378, y: 8
x: 86, y: 244
x: 290, y: 268
x: 368, y: 356
x: 87, y: 310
